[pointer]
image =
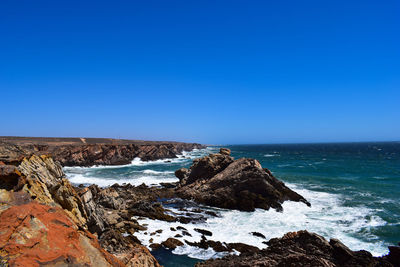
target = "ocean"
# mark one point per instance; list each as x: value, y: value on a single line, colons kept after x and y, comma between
x: 354, y: 190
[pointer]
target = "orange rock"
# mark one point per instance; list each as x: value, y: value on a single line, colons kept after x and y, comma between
x: 34, y: 234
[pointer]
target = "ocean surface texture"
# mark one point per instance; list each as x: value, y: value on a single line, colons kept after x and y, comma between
x: 354, y: 190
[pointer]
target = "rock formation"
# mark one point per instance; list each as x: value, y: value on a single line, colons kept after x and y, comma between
x: 34, y: 234
x: 45, y: 221
x: 301, y: 249
x: 97, y: 151
x: 219, y: 180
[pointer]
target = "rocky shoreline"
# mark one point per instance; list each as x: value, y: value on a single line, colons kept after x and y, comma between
x: 99, y: 151
x: 41, y: 212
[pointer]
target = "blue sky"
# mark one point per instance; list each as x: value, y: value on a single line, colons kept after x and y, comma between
x: 207, y: 71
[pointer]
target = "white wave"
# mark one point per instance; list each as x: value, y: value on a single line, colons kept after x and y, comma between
x: 103, y: 182
x: 134, y: 174
x: 270, y: 155
x: 157, y: 172
x: 198, y: 253
x: 183, y: 157
x: 327, y: 217
x: 284, y: 165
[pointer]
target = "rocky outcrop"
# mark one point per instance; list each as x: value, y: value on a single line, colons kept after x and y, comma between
x: 113, y: 207
x: 219, y: 180
x: 42, y: 179
x: 301, y: 248
x: 34, y: 234
x: 45, y: 181
x: 45, y: 221
x: 95, y: 151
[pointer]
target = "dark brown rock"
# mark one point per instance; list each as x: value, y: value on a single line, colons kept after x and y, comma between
x: 205, y: 244
x: 225, y: 151
x: 207, y: 167
x: 203, y: 232
x: 181, y: 173
x: 172, y: 243
x: 301, y: 249
x: 219, y: 180
x: 258, y: 234
x: 394, y: 255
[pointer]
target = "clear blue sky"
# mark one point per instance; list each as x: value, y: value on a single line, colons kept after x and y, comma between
x: 206, y: 71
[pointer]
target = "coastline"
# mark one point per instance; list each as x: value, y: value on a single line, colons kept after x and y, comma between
x: 110, y: 191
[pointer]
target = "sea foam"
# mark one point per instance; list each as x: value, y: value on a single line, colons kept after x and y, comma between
x: 327, y: 217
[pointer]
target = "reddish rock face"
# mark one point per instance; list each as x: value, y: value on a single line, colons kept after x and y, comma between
x: 34, y: 234
x: 43, y: 220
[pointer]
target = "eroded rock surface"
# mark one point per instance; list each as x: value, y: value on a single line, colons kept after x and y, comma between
x: 34, y: 234
x: 301, y: 249
x: 219, y: 180
x: 45, y: 221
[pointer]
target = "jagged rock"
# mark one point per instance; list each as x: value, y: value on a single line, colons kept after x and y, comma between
x: 26, y: 180
x: 44, y: 180
x: 206, y: 167
x: 172, y: 243
x: 225, y: 151
x: 219, y: 180
x: 34, y: 234
x: 96, y: 218
x: 127, y: 249
x: 181, y: 173
x: 300, y: 248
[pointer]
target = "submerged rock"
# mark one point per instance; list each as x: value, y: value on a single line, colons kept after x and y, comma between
x: 219, y: 180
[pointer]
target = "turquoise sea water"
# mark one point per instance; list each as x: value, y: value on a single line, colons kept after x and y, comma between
x: 354, y: 189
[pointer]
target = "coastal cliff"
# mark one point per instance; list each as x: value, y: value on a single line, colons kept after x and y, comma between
x: 99, y: 151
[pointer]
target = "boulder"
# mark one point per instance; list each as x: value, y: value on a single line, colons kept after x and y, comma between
x: 172, y: 243
x: 219, y: 180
